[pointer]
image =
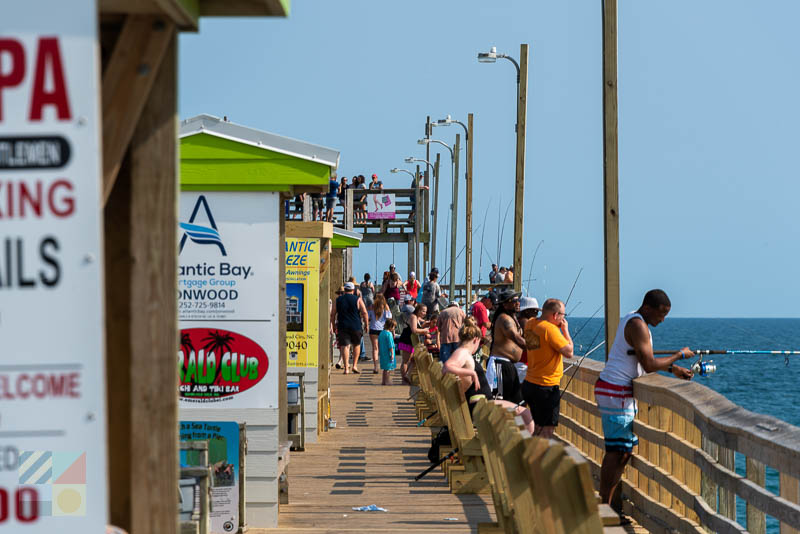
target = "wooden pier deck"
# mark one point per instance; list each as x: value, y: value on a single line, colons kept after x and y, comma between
x: 371, y: 457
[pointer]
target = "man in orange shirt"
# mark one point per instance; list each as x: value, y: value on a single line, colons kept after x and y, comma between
x: 547, y: 341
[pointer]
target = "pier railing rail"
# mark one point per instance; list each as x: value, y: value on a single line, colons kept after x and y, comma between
x: 683, y: 475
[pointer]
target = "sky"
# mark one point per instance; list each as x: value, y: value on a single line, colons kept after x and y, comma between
x: 708, y: 108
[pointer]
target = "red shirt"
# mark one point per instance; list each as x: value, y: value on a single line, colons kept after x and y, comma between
x: 481, y: 315
x: 412, y: 288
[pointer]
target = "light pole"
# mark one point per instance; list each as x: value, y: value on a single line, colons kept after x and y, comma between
x: 447, y: 121
x: 435, y: 211
x: 522, y: 103
x: 418, y: 204
x: 454, y: 151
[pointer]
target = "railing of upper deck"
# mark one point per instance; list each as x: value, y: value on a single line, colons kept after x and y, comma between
x: 683, y: 476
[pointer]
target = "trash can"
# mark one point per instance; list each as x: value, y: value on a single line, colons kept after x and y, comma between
x: 294, y: 392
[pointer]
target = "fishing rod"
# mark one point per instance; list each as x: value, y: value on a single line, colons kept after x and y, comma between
x: 704, y: 368
x: 573, y: 287
x: 530, y: 278
x: 426, y: 418
x: 578, y: 366
x: 437, y: 464
x: 587, y: 321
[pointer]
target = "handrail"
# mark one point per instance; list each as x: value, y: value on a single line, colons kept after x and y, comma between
x: 683, y: 474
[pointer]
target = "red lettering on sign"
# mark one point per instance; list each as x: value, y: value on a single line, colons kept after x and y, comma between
x: 21, y: 197
x: 10, y: 75
x: 48, y: 61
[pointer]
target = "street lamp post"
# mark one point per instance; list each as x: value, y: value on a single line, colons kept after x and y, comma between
x: 435, y: 211
x: 417, y: 203
x: 522, y: 104
x: 468, y: 178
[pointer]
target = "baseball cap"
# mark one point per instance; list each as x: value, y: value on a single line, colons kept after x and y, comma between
x: 453, y: 303
x: 408, y: 298
x: 491, y: 296
x: 349, y: 285
x: 528, y: 303
x: 412, y: 275
x: 435, y: 270
x: 374, y: 175
x: 391, y: 266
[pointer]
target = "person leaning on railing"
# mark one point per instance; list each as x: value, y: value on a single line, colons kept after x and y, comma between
x: 631, y: 356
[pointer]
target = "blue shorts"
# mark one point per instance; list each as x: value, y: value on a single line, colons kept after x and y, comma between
x: 618, y: 432
x: 446, y: 350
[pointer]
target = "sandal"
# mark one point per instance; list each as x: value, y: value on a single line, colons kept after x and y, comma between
x: 338, y: 365
x: 356, y: 372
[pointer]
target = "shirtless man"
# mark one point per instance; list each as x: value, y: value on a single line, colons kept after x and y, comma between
x: 471, y: 378
x: 506, y: 349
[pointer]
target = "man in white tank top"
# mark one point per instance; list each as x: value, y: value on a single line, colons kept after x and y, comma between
x: 630, y: 357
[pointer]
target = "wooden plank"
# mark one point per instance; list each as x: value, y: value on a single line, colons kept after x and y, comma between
x: 790, y: 490
x: 244, y: 8
x: 127, y: 82
x: 184, y: 13
x: 756, y: 519
x: 727, y: 498
x: 140, y: 243
x: 610, y: 171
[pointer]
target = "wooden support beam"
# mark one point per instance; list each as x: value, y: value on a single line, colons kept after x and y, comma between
x: 184, y: 13
x: 519, y: 195
x: 610, y: 171
x: 142, y: 320
x: 127, y: 82
x: 468, y: 249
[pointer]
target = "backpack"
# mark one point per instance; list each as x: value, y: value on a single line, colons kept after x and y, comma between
x: 442, y: 439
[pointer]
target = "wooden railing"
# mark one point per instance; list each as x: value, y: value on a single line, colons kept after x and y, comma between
x: 683, y: 475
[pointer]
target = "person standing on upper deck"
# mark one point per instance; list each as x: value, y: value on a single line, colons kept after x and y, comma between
x: 548, y: 342
x: 330, y: 197
x: 631, y: 356
x: 506, y: 348
x: 493, y: 274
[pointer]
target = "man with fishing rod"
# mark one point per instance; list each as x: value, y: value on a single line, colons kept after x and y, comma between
x: 630, y: 357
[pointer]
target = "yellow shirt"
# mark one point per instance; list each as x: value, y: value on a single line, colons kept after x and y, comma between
x: 544, y: 340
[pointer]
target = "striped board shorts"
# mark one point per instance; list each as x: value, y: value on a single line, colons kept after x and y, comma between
x: 617, y: 410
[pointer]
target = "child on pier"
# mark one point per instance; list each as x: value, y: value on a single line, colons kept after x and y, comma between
x: 386, y: 349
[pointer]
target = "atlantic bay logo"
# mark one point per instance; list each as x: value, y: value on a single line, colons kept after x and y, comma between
x: 202, y: 235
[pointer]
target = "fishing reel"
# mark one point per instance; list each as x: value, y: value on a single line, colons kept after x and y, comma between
x: 704, y: 368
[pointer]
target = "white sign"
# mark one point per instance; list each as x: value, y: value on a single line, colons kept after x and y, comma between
x: 52, y: 375
x: 227, y: 299
x: 381, y: 206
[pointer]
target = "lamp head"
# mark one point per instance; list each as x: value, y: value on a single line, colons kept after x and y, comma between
x: 409, y: 160
x: 394, y: 171
x: 423, y: 141
x: 444, y: 122
x: 488, y: 57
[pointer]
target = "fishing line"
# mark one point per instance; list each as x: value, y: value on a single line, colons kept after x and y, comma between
x: 587, y: 321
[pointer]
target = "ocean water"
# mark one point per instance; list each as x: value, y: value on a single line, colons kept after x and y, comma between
x: 764, y: 384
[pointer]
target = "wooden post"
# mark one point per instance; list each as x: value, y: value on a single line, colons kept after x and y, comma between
x: 454, y: 221
x: 324, y: 364
x: 519, y: 198
x: 708, y: 490
x: 307, y: 209
x: 727, y: 499
x: 468, y: 248
x: 756, y: 519
x: 348, y: 225
x: 418, y: 215
x: 790, y: 490
x: 410, y: 252
x: 426, y: 205
x: 142, y: 318
x: 610, y: 171
x: 283, y: 394
x: 436, y: 170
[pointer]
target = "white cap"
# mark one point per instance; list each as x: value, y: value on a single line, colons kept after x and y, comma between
x: 412, y: 275
x: 527, y: 303
x: 349, y: 285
